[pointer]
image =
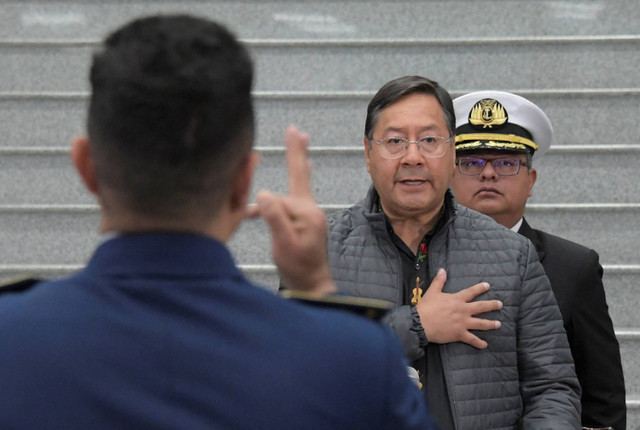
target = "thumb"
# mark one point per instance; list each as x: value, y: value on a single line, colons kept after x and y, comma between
x: 438, y: 282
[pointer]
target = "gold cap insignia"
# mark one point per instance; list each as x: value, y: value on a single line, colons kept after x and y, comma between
x: 487, y: 113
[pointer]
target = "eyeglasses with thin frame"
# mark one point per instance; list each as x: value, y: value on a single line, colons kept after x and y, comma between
x: 395, y: 147
x: 503, y: 166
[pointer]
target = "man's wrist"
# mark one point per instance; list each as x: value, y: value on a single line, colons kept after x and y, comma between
x: 326, y: 286
x: 320, y: 284
x: 417, y: 328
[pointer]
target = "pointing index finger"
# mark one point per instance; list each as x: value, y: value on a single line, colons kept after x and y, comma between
x: 298, y: 163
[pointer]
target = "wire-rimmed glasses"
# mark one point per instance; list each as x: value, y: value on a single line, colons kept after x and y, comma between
x: 394, y: 147
x: 503, y: 166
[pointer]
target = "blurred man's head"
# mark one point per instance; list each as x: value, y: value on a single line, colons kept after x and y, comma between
x: 409, y: 146
x: 170, y: 118
x: 498, y: 134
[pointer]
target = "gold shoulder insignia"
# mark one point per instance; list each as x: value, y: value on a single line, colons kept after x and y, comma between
x: 370, y: 308
x: 17, y: 284
x: 487, y: 113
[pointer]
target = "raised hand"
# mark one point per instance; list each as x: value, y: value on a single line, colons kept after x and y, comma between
x: 298, y: 226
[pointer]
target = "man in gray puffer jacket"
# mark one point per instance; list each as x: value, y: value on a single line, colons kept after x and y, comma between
x: 502, y: 362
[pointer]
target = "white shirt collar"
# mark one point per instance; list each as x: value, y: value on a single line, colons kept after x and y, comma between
x: 517, y: 226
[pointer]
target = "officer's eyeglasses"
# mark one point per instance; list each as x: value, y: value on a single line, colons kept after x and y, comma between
x: 392, y: 148
x: 504, y: 166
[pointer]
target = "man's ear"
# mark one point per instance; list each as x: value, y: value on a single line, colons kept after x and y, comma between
x: 367, y: 152
x: 533, y: 175
x: 81, y: 157
x: 455, y: 155
x: 242, y: 182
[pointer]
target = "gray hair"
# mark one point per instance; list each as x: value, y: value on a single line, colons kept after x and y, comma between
x: 398, y: 88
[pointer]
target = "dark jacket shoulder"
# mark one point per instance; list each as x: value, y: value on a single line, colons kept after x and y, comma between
x: 15, y: 285
x: 557, y: 251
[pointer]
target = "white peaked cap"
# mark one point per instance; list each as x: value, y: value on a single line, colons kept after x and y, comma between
x: 494, y: 129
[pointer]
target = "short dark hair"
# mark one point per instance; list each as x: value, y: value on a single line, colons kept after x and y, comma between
x: 170, y: 115
x: 398, y: 88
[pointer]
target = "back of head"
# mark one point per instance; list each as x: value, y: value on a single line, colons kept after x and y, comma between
x: 170, y: 115
x: 398, y: 88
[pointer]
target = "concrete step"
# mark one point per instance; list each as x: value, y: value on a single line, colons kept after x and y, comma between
x: 584, y: 174
x: 40, y: 176
x: 320, y: 19
x: 47, y: 236
x: 633, y: 412
x: 41, y: 120
x: 469, y: 64
x: 609, y: 229
x: 629, y: 351
x: 622, y: 286
x: 67, y: 234
x: 51, y: 119
x: 338, y: 65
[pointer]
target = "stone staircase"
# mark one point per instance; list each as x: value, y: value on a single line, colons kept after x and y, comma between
x: 318, y: 63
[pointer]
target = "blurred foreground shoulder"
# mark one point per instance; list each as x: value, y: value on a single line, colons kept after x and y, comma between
x: 16, y: 285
